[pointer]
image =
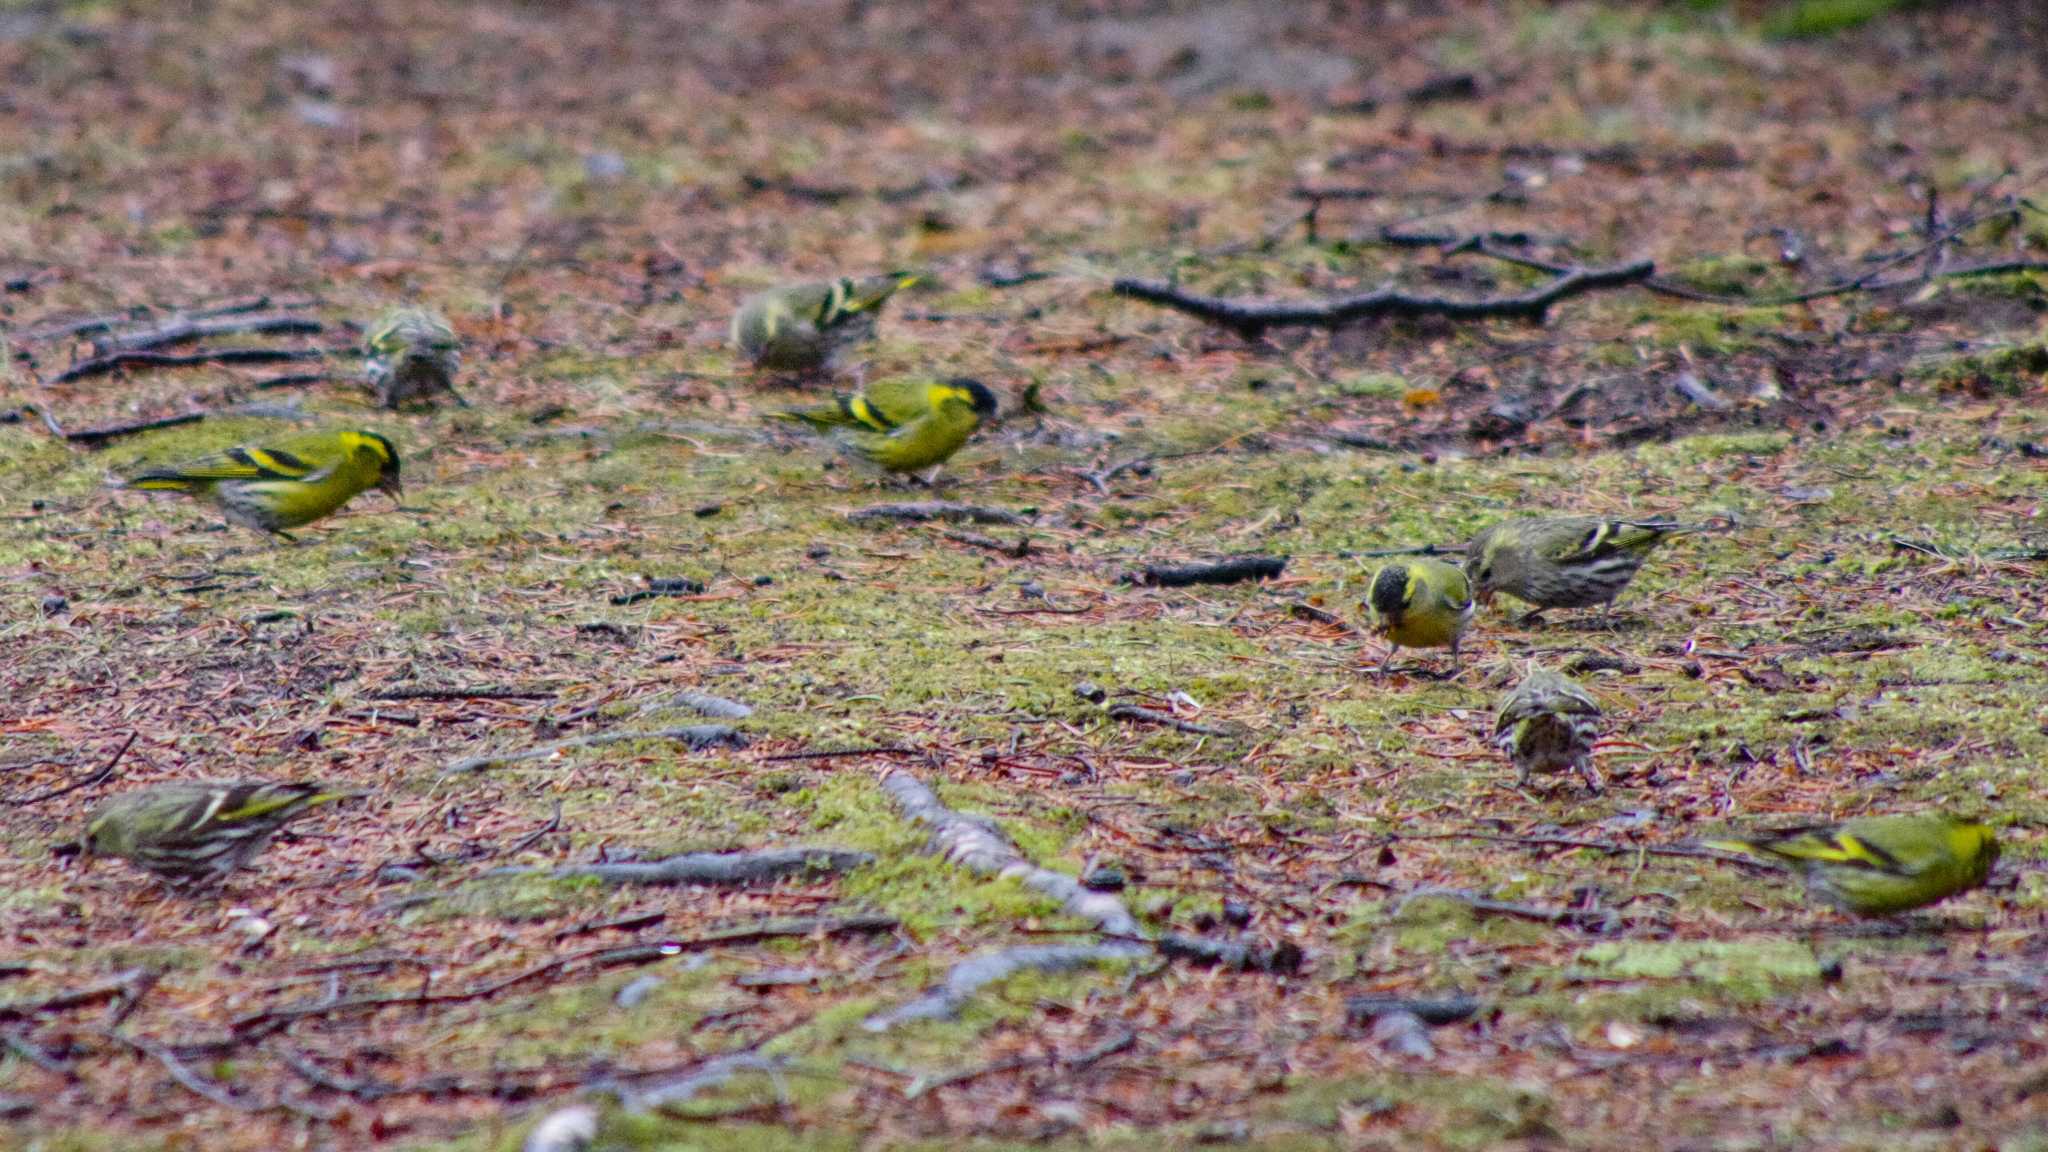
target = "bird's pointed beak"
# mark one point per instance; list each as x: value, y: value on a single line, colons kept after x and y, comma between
x: 392, y: 487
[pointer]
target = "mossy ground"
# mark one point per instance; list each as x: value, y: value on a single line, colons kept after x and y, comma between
x: 569, y: 186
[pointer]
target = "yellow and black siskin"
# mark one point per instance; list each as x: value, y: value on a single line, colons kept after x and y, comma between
x: 903, y: 424
x: 1420, y: 603
x: 1881, y: 865
x: 285, y: 484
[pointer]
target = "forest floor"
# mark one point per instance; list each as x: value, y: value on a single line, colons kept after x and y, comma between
x: 587, y: 190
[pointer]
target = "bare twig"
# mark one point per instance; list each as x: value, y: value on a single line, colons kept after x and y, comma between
x: 761, y: 866
x: 1017, y: 549
x: 1608, y: 847
x: 101, y: 365
x: 840, y: 753
x: 1230, y: 571
x: 108, y: 432
x: 413, y: 692
x: 270, y: 1020
x: 191, y: 1081
x: 119, y: 986
x: 701, y: 702
x: 106, y: 770
x: 936, y: 510
x: 1250, y: 319
x: 661, y: 586
x: 1138, y: 713
x: 695, y: 735
x: 181, y: 329
x: 1417, y: 550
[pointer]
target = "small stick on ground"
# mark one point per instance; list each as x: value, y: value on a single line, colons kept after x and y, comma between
x: 842, y: 753
x: 1138, y: 713
x: 181, y: 329
x: 121, y: 985
x: 100, y: 435
x: 1251, y: 319
x: 272, y: 1019
x: 1417, y: 550
x: 1017, y: 549
x: 101, y: 365
x: 924, y: 510
x: 733, y: 869
x: 695, y: 735
x: 106, y: 770
x: 405, y: 692
x: 1229, y: 571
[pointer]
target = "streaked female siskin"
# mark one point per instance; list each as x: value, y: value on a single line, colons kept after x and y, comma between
x: 804, y: 328
x: 1549, y: 724
x: 198, y: 832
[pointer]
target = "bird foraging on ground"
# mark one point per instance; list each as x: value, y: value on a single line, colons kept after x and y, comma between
x: 411, y: 355
x: 903, y: 424
x: 1565, y: 561
x: 1420, y: 603
x: 198, y: 832
x: 1880, y: 865
x: 807, y: 327
x: 285, y: 484
x: 1549, y: 724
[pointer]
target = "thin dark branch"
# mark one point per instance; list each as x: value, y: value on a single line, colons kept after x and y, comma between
x: 181, y: 329
x: 838, y: 753
x: 101, y: 365
x: 1251, y: 319
x: 121, y: 985
x: 108, y: 432
x: 484, y: 693
x: 762, y: 866
x: 1016, y: 549
x: 1143, y: 715
x: 695, y: 735
x: 936, y: 510
x: 270, y: 1020
x: 106, y: 770
x: 1608, y: 847
x: 191, y: 1081
x: 1870, y: 281
x: 1230, y: 571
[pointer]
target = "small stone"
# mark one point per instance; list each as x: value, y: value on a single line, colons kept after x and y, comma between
x: 1104, y: 878
x: 1237, y: 913
x: 53, y: 604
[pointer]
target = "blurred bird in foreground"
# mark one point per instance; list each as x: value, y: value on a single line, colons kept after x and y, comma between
x: 198, y: 832
x: 411, y: 355
x: 1564, y: 562
x: 808, y: 327
x: 1420, y: 603
x: 903, y: 424
x: 1549, y: 724
x: 1879, y: 865
x: 285, y: 484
